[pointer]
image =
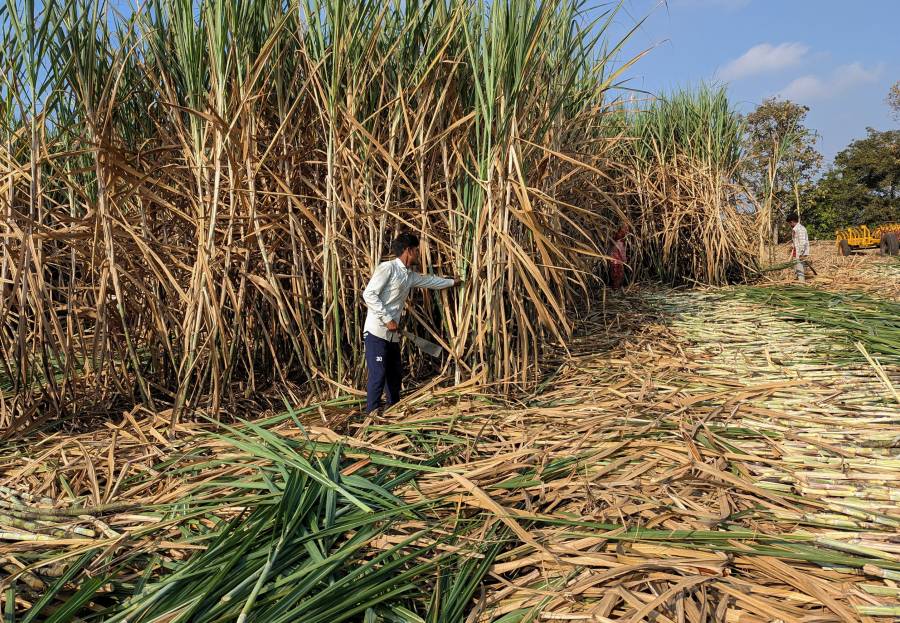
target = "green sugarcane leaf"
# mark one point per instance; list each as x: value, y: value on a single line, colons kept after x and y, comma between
x: 52, y: 591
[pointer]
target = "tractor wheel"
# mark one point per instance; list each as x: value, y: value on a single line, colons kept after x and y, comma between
x: 845, y: 247
x: 889, y: 244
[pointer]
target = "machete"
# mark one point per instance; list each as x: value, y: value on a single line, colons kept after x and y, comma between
x: 429, y: 348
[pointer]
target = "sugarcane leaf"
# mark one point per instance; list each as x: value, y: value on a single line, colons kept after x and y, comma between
x: 86, y: 591
x: 53, y: 591
x: 9, y: 612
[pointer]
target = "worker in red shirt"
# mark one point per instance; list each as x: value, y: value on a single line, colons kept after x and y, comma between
x: 618, y: 258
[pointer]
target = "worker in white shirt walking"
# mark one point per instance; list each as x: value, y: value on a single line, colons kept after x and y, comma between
x: 800, y: 250
x: 385, y: 296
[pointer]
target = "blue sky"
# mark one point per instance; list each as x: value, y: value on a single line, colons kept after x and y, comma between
x: 837, y: 57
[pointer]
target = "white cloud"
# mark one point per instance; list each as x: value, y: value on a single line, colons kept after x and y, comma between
x: 842, y: 79
x: 762, y: 58
x: 804, y: 88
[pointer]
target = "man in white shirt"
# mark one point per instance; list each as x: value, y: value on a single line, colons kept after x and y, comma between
x: 800, y: 249
x: 385, y: 296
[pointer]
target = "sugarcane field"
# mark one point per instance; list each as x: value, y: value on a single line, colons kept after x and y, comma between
x: 449, y: 311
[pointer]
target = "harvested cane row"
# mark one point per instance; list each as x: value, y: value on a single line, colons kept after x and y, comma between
x: 705, y: 456
x: 687, y: 472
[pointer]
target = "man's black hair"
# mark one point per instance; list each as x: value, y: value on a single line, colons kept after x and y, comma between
x: 403, y: 242
x: 793, y: 217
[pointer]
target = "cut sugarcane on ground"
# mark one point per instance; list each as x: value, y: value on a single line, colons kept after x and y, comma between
x: 696, y: 456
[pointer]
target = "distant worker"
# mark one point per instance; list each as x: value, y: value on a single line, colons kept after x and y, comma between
x: 800, y: 249
x: 385, y: 297
x: 618, y: 258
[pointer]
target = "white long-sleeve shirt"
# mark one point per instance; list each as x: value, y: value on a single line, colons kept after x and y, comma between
x: 801, y: 241
x: 386, y: 294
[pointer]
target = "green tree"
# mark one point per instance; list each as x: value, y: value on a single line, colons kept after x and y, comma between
x: 863, y: 186
x: 782, y: 161
x: 893, y: 99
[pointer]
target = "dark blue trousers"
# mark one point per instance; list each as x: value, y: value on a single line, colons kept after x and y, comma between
x: 385, y: 371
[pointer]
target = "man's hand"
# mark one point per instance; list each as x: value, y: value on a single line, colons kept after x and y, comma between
x: 457, y: 281
x: 392, y: 326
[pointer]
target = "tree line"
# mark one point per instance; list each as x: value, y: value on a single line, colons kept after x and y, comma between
x: 784, y: 170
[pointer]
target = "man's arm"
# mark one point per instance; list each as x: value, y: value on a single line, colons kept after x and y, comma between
x: 371, y: 295
x: 432, y: 282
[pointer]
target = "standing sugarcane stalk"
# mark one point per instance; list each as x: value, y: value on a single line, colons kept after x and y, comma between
x: 248, y: 161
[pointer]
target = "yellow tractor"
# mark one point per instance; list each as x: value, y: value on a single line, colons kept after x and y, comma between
x: 886, y: 237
